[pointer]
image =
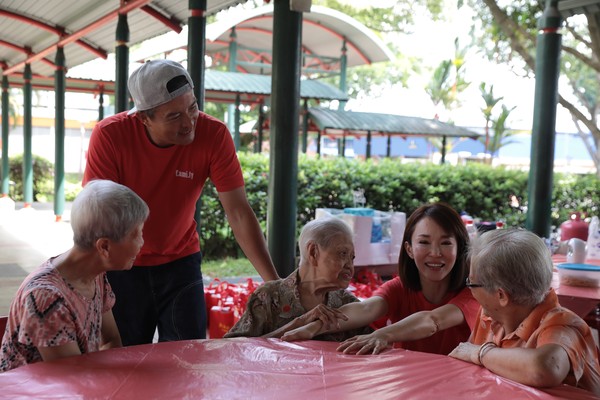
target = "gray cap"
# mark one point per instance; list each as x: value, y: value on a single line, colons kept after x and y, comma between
x: 148, y: 84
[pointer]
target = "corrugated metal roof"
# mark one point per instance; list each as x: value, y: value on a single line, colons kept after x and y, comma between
x: 29, y: 28
x: 223, y: 86
x: 324, y: 32
x: 334, y: 121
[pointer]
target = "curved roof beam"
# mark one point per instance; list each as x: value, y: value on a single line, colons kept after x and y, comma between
x: 75, y: 36
x: 171, y: 22
x: 315, y: 18
x: 57, y: 30
x: 25, y: 50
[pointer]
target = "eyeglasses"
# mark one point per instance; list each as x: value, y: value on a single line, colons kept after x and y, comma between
x: 471, y: 285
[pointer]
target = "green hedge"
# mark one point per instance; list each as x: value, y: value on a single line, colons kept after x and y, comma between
x: 484, y: 192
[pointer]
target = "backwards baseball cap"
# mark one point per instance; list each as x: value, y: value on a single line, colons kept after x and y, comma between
x: 149, y: 84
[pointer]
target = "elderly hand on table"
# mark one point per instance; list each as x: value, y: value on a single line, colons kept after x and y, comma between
x: 308, y: 325
x: 468, y: 352
x: 373, y: 343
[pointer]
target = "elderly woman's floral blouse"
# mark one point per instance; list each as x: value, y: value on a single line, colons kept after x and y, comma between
x: 47, y: 312
x: 277, y: 303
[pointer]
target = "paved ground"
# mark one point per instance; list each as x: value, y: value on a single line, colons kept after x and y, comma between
x: 28, y: 236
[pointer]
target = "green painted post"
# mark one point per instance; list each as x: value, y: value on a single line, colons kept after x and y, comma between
x: 368, y: 155
x: 232, y: 119
x: 388, y: 149
x: 343, y: 73
x: 59, y: 134
x: 236, y: 122
x: 5, y: 126
x: 27, y: 136
x: 544, y: 121
x: 122, y: 64
x: 285, y: 110
x: 319, y: 144
x: 261, y: 121
x: 196, y: 47
x: 304, y: 126
x: 101, y: 104
x: 444, y: 142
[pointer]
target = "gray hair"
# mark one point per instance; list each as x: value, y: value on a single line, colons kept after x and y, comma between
x: 515, y: 260
x: 105, y: 209
x: 321, y: 231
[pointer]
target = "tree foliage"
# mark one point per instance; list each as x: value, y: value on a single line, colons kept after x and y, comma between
x: 509, y: 33
x: 386, y: 23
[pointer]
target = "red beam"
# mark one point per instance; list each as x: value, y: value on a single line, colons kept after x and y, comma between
x: 172, y: 23
x: 73, y: 37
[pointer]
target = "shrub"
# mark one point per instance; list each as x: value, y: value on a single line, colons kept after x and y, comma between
x: 43, y: 173
x: 484, y: 192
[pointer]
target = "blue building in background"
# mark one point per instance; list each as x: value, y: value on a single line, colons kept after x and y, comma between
x: 569, y: 149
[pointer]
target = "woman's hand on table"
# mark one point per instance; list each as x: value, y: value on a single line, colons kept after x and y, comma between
x: 329, y: 317
x: 310, y: 324
x: 364, y: 344
x: 305, y: 332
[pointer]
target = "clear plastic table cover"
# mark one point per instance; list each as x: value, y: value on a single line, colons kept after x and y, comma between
x: 254, y: 368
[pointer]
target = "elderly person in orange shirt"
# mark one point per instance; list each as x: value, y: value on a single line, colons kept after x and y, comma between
x: 522, y: 333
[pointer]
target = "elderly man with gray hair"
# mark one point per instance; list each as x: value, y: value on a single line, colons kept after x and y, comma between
x: 522, y: 333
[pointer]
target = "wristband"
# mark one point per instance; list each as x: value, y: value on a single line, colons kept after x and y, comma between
x: 483, y: 349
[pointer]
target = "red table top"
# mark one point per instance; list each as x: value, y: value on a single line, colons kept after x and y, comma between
x: 254, y: 368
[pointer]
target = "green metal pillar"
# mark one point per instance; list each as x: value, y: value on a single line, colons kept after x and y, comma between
x: 368, y: 155
x: 304, y: 126
x: 543, y: 136
x: 232, y: 66
x: 5, y: 126
x: 122, y: 64
x: 388, y: 149
x: 196, y: 47
x: 27, y: 136
x: 101, y: 104
x: 59, y: 134
x: 285, y: 110
x: 236, y: 122
x: 343, y: 149
x: 444, y: 142
x: 319, y: 144
x: 261, y: 121
x: 343, y: 74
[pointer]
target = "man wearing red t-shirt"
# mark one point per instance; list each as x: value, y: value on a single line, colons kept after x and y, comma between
x: 165, y: 149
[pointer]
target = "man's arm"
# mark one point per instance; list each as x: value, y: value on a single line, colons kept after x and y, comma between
x: 247, y: 232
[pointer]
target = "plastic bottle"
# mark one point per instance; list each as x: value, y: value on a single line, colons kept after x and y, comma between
x: 471, y: 229
x: 593, y: 240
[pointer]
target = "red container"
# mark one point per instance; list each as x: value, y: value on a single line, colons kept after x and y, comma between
x: 575, y: 227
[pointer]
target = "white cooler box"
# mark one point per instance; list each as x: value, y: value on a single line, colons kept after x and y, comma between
x: 367, y: 252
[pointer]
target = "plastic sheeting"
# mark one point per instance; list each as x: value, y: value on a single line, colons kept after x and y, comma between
x: 253, y: 368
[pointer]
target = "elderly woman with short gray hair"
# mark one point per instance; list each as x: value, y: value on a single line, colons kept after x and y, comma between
x: 522, y: 333
x: 64, y: 308
x: 314, y: 291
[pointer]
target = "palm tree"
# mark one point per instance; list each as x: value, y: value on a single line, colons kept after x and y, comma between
x: 490, y: 103
x: 501, y: 132
x: 446, y: 84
